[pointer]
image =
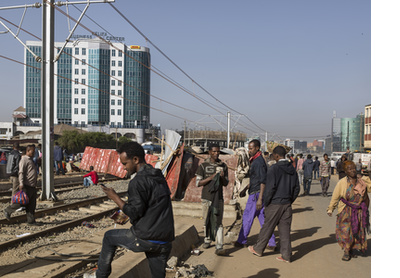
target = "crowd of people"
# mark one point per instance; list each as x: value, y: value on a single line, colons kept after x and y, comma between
x: 274, y: 184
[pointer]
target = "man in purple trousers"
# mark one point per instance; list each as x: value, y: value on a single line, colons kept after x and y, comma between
x: 254, y: 206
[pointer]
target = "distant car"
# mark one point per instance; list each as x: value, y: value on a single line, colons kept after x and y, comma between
x: 152, y: 148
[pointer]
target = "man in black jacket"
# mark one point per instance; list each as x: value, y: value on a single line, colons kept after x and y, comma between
x: 150, y: 211
x: 13, y: 167
x: 281, y: 190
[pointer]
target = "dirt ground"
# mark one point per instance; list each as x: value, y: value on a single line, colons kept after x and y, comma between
x: 315, y: 250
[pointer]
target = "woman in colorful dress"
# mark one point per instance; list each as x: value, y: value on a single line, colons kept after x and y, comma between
x: 351, y: 199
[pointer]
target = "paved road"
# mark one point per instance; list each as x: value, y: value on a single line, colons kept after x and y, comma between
x: 315, y: 251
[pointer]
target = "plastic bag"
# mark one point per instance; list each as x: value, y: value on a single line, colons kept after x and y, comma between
x: 20, y: 198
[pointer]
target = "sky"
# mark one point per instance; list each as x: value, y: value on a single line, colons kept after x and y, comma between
x: 281, y: 67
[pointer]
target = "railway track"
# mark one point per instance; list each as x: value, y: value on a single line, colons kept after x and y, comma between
x: 55, y: 219
x: 59, y: 188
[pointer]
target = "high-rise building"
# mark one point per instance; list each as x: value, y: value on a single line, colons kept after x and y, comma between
x: 94, y: 84
x: 347, y: 133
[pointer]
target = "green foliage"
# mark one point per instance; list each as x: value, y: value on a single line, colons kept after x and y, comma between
x: 123, y: 140
x: 76, y: 142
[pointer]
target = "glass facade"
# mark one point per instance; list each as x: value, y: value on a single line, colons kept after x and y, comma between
x: 99, y: 87
x: 352, y: 133
x: 137, y: 89
x: 64, y: 87
x: 33, y: 83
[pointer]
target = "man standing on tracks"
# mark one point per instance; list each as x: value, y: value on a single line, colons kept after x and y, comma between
x: 212, y: 174
x: 13, y: 167
x: 149, y: 208
x: 281, y: 191
x: 27, y: 178
x: 254, y: 206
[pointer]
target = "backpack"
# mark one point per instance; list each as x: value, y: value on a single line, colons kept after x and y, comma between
x: 12, y: 163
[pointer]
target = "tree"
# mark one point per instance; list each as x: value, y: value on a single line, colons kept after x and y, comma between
x: 76, y: 142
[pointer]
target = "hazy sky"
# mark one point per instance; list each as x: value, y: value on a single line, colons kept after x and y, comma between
x: 284, y: 65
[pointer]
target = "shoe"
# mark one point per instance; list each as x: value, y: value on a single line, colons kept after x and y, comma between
x: 206, y: 245
x: 251, y: 249
x: 272, y: 248
x: 7, y: 215
x: 90, y: 274
x: 21, y: 209
x: 239, y: 245
x: 282, y: 260
x: 220, y: 252
x: 346, y: 257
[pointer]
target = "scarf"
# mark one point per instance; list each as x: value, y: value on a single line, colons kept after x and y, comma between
x: 360, y: 187
x: 354, y: 215
x: 255, y: 156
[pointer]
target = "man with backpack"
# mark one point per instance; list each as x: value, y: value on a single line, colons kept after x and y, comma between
x: 12, y: 167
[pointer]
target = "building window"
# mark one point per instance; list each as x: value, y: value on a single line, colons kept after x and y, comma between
x: 83, y: 51
x: 119, y: 112
x: 119, y: 83
x: 83, y: 81
x: 120, y: 63
x: 76, y: 111
x: 77, y: 51
x: 112, y: 82
x: 76, y: 101
x: 120, y: 73
x: 113, y: 63
x: 76, y: 91
x: 83, y: 91
x: 76, y: 81
x: 83, y: 71
x: 112, y: 102
x: 119, y: 92
x: 76, y: 71
x: 83, y: 61
x: 112, y: 112
x: 113, y: 52
x: 83, y: 101
x: 119, y: 53
x: 76, y: 62
x: 83, y: 111
x: 113, y: 73
x: 119, y: 102
x: 83, y: 123
x: 113, y: 92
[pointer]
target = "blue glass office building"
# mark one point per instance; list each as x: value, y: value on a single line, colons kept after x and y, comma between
x: 96, y: 84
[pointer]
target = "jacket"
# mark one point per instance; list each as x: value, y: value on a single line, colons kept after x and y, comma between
x: 340, y: 191
x: 149, y: 205
x: 308, y: 167
x: 93, y: 175
x: 282, y: 185
x: 258, y: 174
x: 58, y: 154
x: 13, y: 163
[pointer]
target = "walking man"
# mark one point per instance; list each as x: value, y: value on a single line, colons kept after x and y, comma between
x: 325, y: 175
x: 150, y: 211
x: 308, y: 167
x: 254, y: 206
x: 316, y: 168
x: 12, y: 167
x: 281, y: 191
x: 299, y: 168
x: 27, y: 179
x: 212, y: 175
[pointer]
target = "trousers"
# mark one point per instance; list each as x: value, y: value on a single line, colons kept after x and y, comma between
x: 281, y: 216
x: 324, y: 184
x: 31, y: 192
x: 157, y: 254
x: 249, y: 214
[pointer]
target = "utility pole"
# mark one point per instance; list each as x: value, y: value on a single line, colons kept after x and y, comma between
x: 228, y: 130
x: 47, y: 80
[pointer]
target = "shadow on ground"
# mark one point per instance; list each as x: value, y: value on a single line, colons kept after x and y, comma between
x: 269, y: 272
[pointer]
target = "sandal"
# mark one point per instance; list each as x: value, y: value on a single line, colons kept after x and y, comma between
x: 346, y: 257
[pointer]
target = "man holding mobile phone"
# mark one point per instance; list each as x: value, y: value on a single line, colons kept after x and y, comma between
x: 150, y: 211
